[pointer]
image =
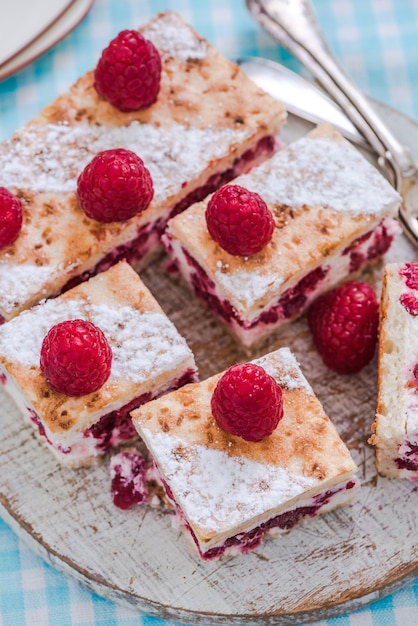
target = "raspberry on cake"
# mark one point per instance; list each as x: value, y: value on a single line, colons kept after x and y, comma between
x: 228, y: 492
x: 333, y: 214
x: 239, y: 220
x: 76, y: 358
x: 114, y: 186
x: 247, y: 402
x: 111, y: 322
x: 206, y: 124
x: 11, y: 218
x: 128, y: 73
x: 396, y: 424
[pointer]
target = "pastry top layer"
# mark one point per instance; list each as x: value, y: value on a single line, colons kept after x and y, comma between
x: 207, y: 112
x: 224, y: 484
x: 323, y: 195
x: 397, y: 409
x: 146, y: 347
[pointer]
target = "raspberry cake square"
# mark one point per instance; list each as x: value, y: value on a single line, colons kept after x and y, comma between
x: 396, y: 424
x: 148, y: 358
x: 229, y: 492
x: 331, y: 213
x: 208, y: 123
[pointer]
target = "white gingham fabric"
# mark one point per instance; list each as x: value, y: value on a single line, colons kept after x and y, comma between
x: 377, y: 41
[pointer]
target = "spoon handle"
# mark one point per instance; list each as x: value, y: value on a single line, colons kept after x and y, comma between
x: 294, y: 24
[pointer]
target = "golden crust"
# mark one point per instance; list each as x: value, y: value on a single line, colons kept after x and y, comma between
x: 305, y: 440
x: 304, y: 237
x: 202, y: 93
x: 117, y: 289
x: 383, y: 313
x: 305, y: 444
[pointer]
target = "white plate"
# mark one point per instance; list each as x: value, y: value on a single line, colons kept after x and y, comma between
x: 66, y: 21
x: 24, y: 20
x: 326, y: 566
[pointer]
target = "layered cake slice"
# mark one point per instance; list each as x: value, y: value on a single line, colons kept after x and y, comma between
x: 230, y: 491
x: 331, y: 213
x: 208, y: 123
x: 141, y: 356
x: 396, y: 424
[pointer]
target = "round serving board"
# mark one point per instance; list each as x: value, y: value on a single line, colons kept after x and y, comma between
x: 326, y: 566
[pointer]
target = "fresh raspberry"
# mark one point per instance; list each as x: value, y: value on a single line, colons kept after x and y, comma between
x: 247, y: 402
x: 75, y: 357
x: 128, y: 72
x: 11, y: 217
x: 239, y: 220
x: 114, y: 186
x: 344, y: 325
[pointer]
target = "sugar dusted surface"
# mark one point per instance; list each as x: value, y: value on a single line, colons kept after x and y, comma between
x: 222, y: 483
x: 322, y: 172
x: 173, y: 38
x: 289, y: 375
x: 50, y: 157
x: 208, y: 114
x: 251, y: 286
x: 234, y: 490
x: 324, y: 196
x: 16, y: 282
x: 142, y: 343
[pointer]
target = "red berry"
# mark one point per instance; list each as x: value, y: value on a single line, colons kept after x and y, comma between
x: 247, y: 402
x: 76, y: 358
x: 114, y: 186
x: 128, y: 72
x: 239, y: 220
x: 11, y: 217
x: 344, y: 325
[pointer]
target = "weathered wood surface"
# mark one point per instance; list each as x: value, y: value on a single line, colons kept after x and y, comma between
x: 332, y: 564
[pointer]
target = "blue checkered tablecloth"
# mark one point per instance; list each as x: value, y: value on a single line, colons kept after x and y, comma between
x: 377, y: 41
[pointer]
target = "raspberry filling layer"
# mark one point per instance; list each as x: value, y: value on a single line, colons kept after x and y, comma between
x: 128, y: 479
x: 247, y: 541
x: 409, y: 299
x: 148, y: 238
x: 408, y: 456
x: 133, y: 478
x: 115, y: 427
x: 294, y: 300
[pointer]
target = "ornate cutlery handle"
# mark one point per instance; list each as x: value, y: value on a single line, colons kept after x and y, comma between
x: 294, y: 24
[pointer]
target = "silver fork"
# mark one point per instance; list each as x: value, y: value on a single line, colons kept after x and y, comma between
x: 293, y: 23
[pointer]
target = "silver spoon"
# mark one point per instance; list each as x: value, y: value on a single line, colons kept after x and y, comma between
x: 294, y: 24
x: 299, y: 96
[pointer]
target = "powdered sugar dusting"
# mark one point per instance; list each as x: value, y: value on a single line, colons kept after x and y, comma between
x: 251, y: 286
x: 284, y: 368
x: 232, y: 488
x: 49, y: 158
x: 322, y: 172
x: 143, y: 344
x: 173, y: 38
x: 17, y: 281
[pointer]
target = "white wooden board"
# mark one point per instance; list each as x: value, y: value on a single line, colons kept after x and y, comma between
x: 326, y: 566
